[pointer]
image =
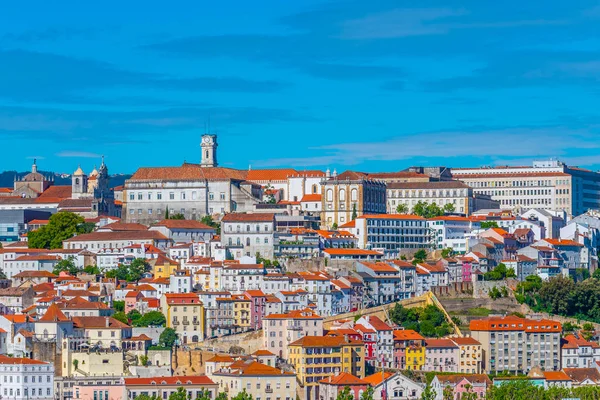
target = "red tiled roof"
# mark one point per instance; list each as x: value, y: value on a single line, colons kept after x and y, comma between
x: 343, y: 379
x: 352, y: 252
x: 562, y: 242
x: 379, y: 267
x: 187, y: 172
x: 325, y: 341
x: 98, y: 323
x: 556, y: 376
x: 473, y: 378
x: 53, y: 314
x: 311, y: 197
x: 391, y: 216
x: 122, y: 226
x: 120, y: 235
x: 437, y: 343
x: 407, y: 334
x: 377, y: 378
x: 512, y: 323
x: 19, y: 361
x: 57, y: 192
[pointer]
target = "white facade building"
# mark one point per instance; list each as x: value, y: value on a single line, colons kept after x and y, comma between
x: 25, y: 379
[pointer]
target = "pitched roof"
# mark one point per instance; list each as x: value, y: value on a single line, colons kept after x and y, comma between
x: 98, y: 323
x: 123, y: 226
x: 473, y: 378
x: 19, y: 361
x: 256, y: 175
x: 57, y: 192
x: 352, y: 252
x: 311, y: 197
x: 562, y: 243
x: 513, y: 323
x: 343, y: 379
x: 377, y: 378
x: 325, y: 341
x: 556, y: 376
x: 407, y: 334
x: 220, y: 358
x: 187, y: 172
x: 378, y: 324
x: 582, y: 374
x: 465, y: 341
x: 437, y: 343
x: 35, y: 274
x: 53, y: 314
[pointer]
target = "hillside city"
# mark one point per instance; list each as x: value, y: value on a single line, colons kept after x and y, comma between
x: 199, y: 281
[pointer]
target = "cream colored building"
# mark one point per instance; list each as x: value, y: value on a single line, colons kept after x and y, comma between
x: 469, y: 355
x: 103, y: 332
x: 90, y: 362
x: 279, y: 330
x: 261, y: 381
x: 184, y: 313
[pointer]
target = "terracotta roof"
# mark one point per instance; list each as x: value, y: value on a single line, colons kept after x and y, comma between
x: 363, y: 329
x: 16, y: 318
x: 240, y: 217
x: 311, y: 197
x: 254, y: 368
x: 340, y: 284
x: 75, y: 203
x: 450, y: 218
x: 348, y: 225
x: 556, y: 376
x: 379, y: 267
x: 183, y: 224
x: 170, y: 380
x: 262, y: 353
x: 19, y: 361
x: 377, y: 378
x: 512, y: 323
x: 437, y: 343
x: 26, y: 333
x: 182, y: 298
x: 403, y: 264
x: 562, y: 242
x: 582, y: 374
x: 343, y: 379
x: 187, y: 172
x: 428, y: 185
x: 378, y: 324
x: 465, y: 341
x: 255, y: 293
x: 53, y: 314
x: 98, y: 323
x: 407, y: 334
x: 57, y: 192
x: 121, y: 235
x: 432, y: 267
x: 325, y: 341
x: 307, y: 313
x: 572, y: 342
x: 38, y: 257
x: 220, y: 358
x: 39, y: 222
x: 352, y: 252
x: 35, y: 274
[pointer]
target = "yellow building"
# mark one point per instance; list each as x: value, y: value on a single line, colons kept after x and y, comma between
x: 241, y: 312
x: 184, y: 313
x: 163, y: 267
x: 469, y: 356
x: 316, y: 357
x: 409, y: 350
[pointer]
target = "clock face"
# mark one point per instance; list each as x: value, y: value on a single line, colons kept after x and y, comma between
x: 206, y: 139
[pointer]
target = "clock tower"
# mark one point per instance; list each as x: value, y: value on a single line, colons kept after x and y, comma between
x: 209, y: 151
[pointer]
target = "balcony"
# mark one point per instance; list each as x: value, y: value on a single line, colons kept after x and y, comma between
x: 186, y: 322
x: 176, y: 323
x: 294, y: 328
x: 268, y: 390
x: 196, y: 322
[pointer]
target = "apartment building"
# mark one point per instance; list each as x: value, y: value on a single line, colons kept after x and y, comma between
x: 517, y: 345
x: 409, y: 350
x: 279, y: 330
x: 462, y: 197
x: 185, y: 314
x: 164, y: 386
x: 469, y: 356
x: 548, y: 184
x: 24, y: 378
x: 441, y: 355
x: 316, y: 357
x: 452, y: 232
x: 249, y: 233
x: 393, y: 234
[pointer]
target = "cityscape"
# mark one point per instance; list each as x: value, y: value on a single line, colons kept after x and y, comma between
x: 316, y: 200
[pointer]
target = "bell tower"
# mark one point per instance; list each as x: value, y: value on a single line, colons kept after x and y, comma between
x: 209, y: 151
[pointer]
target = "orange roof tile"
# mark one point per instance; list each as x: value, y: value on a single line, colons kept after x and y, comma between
x: 170, y: 380
x: 512, y: 323
x: 377, y: 378
x: 343, y: 379
x: 53, y: 314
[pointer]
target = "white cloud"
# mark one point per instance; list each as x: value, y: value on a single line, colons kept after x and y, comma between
x: 77, y: 154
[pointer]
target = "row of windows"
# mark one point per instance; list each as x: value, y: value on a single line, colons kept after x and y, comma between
x: 18, y: 380
x: 171, y: 196
x: 427, y: 193
x: 238, y: 241
x: 516, y: 183
x: 17, y: 392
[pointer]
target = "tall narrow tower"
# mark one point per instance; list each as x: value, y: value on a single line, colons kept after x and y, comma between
x: 209, y: 150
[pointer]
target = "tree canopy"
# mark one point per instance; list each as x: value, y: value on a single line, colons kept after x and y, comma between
x: 66, y: 265
x: 61, y: 226
x: 499, y: 273
x: 419, y: 256
x: 208, y: 220
x: 167, y: 337
x: 130, y: 273
x: 345, y: 394
x: 431, y: 210
x: 428, y: 321
x: 402, y: 208
x: 488, y: 224
x: 151, y: 318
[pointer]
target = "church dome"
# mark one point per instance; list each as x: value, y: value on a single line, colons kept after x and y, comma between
x: 79, y: 171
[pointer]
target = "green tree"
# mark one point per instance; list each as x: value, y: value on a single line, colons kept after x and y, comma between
x: 134, y: 315
x: 221, y: 396
x: 143, y: 359
x: 180, y: 394
x: 92, y: 270
x: 119, y: 305
x: 121, y: 316
x: 556, y: 295
x: 516, y: 389
x: 334, y: 227
x: 402, y: 208
x: 588, y: 331
x: 419, y: 257
x: 67, y: 265
x: 596, y: 274
x: 167, y: 337
x: 345, y: 394
x: 568, y: 327
x: 494, y: 293
x: 367, y: 394
x: 146, y: 397
x: 488, y: 224
x: 208, y: 220
x: 177, y: 216
x: 167, y: 213
x: 448, y: 393
x: 447, y: 252
x: 2, y: 274
x: 61, y: 226
x: 354, y: 212
x: 428, y: 393
x: 243, y: 395
x: 136, y: 269
x: 75, y: 363
x: 448, y: 208
x: 581, y: 274
x: 151, y: 318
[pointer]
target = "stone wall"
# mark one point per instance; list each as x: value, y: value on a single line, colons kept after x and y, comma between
x: 481, y: 289
x: 47, y: 351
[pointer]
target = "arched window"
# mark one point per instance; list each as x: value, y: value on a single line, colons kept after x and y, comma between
x: 77, y: 181
x: 314, y: 188
x: 247, y: 241
x: 206, y: 154
x: 329, y: 194
x: 342, y: 195
x: 354, y: 195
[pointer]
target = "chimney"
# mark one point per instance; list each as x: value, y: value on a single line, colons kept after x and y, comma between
x: 107, y: 321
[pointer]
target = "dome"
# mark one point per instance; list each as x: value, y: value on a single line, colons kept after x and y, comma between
x: 94, y: 172
x: 34, y: 177
x: 79, y: 171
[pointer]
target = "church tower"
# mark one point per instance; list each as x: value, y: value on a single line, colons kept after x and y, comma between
x: 209, y: 150
x: 79, y: 184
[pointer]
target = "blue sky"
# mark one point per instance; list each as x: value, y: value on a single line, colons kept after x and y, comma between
x: 366, y: 85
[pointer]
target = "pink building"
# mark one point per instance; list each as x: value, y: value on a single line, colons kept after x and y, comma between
x: 441, y: 355
x: 106, y: 392
x: 369, y: 338
x: 131, y: 300
x: 460, y: 384
x: 332, y: 385
x: 257, y: 307
x: 467, y: 268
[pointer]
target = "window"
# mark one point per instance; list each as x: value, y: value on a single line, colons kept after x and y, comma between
x: 222, y: 196
x: 149, y: 211
x: 182, y: 195
x: 131, y: 196
x: 159, y: 196
x: 140, y: 196
x: 171, y: 196
x: 211, y: 196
